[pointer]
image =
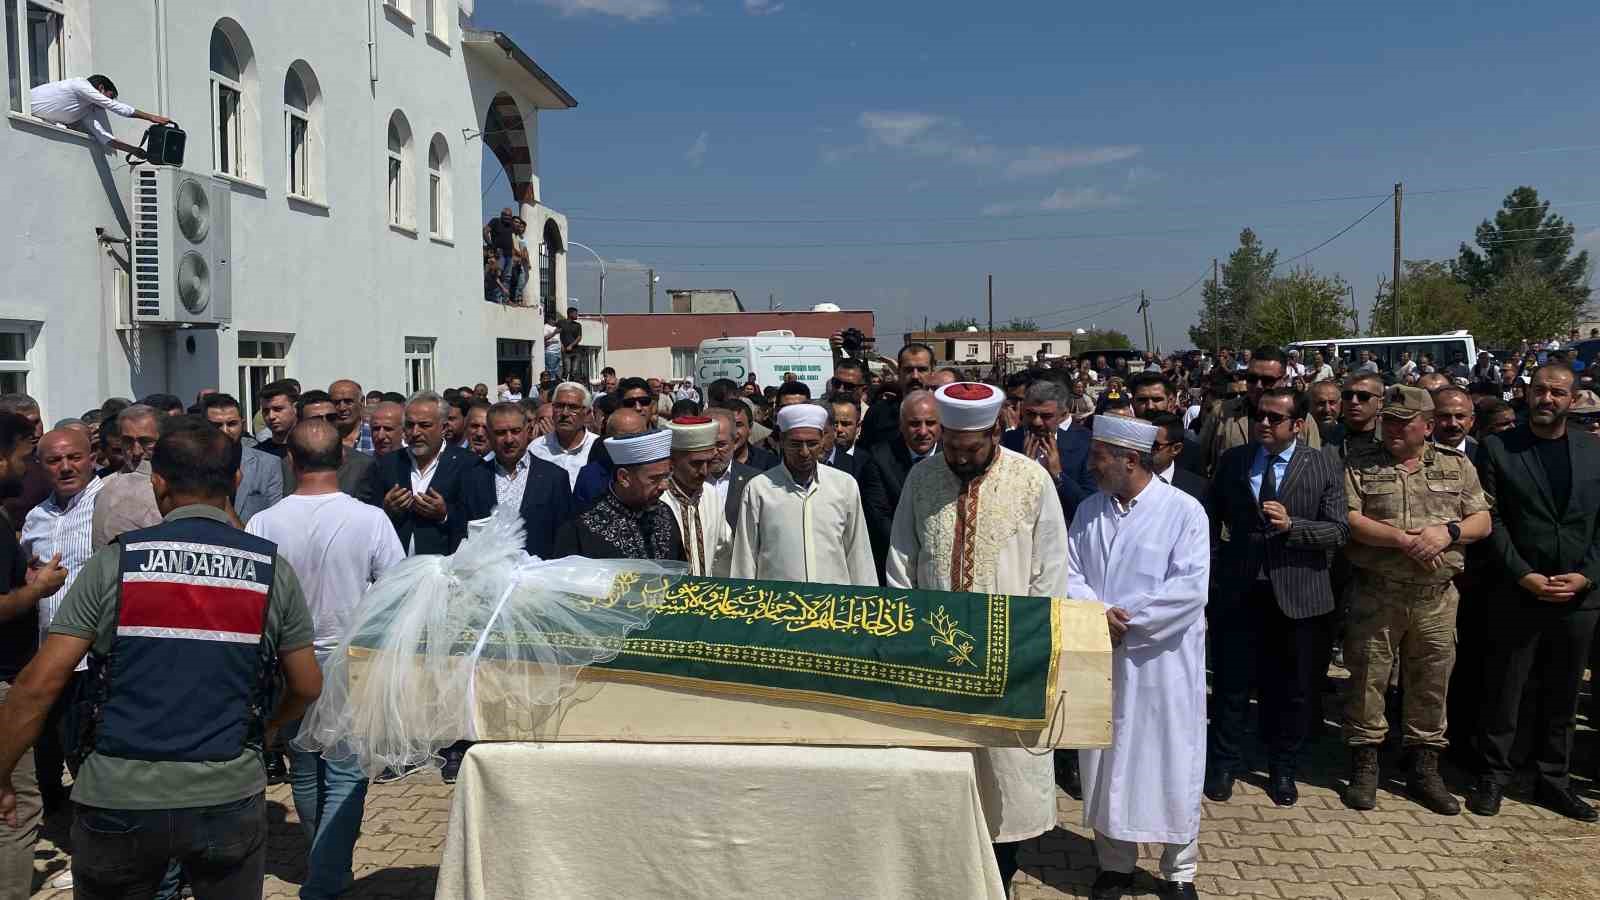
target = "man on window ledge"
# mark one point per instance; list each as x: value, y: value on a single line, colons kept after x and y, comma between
x: 83, y: 102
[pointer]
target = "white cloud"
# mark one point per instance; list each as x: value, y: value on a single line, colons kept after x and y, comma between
x: 1138, y: 176
x: 897, y: 129
x: 762, y: 7
x: 1036, y: 161
x: 1082, y: 198
x: 632, y: 10
x: 696, y: 154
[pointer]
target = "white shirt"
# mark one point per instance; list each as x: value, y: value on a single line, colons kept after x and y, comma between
x: 73, y: 100
x: 51, y: 528
x: 721, y: 485
x: 509, y: 486
x: 337, y: 546
x: 420, y: 482
x: 552, y: 339
x: 549, y: 449
x: 814, y: 532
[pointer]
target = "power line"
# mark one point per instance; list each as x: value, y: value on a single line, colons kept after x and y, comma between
x: 1341, y: 233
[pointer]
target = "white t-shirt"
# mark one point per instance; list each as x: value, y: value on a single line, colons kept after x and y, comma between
x: 337, y: 546
x: 552, y: 338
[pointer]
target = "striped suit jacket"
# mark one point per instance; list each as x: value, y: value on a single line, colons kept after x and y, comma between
x: 1296, y: 561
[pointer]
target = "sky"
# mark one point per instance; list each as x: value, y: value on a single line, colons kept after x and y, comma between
x: 889, y: 155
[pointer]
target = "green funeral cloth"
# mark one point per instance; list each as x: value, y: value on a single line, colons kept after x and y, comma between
x: 972, y: 658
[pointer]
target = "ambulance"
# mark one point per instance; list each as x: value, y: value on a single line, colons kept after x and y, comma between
x: 769, y: 355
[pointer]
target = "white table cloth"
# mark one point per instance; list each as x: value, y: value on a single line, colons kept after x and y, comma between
x: 619, y: 820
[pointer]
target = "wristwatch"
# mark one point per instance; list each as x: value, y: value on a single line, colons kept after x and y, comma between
x: 1455, y: 531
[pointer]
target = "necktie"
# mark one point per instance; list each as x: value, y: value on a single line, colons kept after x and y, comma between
x: 1269, y: 480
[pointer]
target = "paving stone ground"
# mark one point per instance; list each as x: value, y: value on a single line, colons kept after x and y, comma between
x: 1248, y: 846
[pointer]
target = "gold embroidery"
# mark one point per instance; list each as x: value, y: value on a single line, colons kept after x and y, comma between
x: 947, y: 632
x: 878, y: 616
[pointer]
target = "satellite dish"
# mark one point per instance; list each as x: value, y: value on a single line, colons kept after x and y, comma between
x: 193, y: 210
x: 972, y: 329
x: 825, y: 307
x: 1080, y: 331
x: 194, y: 283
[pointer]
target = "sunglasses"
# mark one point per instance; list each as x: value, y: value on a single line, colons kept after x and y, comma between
x: 1363, y: 396
x: 636, y: 401
x: 1252, y: 378
x: 1271, y: 418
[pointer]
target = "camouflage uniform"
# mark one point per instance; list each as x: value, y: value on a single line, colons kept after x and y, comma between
x: 1396, y: 604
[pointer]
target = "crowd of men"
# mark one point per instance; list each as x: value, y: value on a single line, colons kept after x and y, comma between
x: 1435, y: 538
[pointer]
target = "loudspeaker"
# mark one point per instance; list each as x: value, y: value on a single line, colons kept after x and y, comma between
x: 163, y: 145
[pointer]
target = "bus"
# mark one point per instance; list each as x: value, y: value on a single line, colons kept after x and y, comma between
x: 1444, y: 348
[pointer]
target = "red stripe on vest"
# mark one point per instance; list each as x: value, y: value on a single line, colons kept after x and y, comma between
x: 200, y: 607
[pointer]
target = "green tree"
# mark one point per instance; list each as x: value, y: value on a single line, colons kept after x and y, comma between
x: 1021, y: 325
x: 1525, y: 302
x: 1300, y: 306
x: 1227, y: 310
x: 956, y: 324
x: 1432, y: 301
x: 1525, y: 237
x: 1101, y: 339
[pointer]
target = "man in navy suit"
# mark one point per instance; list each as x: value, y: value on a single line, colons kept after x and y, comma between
x: 1063, y: 451
x: 540, y: 490
x: 430, y: 491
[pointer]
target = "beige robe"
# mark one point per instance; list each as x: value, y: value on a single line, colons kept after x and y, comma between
x: 813, y: 534
x: 1013, y: 540
x: 707, y: 536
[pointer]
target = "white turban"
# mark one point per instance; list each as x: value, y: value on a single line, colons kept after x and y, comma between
x: 1122, y: 431
x: 639, y: 449
x: 968, y: 406
x: 802, y: 415
x: 693, y: 433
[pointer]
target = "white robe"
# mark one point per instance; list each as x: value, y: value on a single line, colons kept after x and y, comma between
x: 1019, y: 548
x: 813, y: 534
x: 1154, y: 562
x: 714, y: 557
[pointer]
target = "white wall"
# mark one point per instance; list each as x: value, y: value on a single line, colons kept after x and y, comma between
x: 348, y: 288
x: 650, y: 362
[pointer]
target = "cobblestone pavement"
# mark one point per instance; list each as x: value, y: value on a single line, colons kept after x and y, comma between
x: 1248, y: 847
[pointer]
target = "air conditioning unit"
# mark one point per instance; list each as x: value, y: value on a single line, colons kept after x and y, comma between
x: 181, y: 248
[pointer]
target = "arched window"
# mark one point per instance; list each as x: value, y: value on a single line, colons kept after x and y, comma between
x: 401, y: 204
x: 302, y: 120
x: 233, y: 114
x: 439, y: 187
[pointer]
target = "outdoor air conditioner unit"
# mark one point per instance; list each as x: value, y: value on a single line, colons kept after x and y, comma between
x: 181, y: 248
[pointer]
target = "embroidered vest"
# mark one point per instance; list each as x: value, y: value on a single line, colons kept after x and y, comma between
x: 188, y: 675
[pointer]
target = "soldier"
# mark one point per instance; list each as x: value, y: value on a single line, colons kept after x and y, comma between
x: 1412, y: 505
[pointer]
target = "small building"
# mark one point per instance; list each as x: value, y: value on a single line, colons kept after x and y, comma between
x: 663, y: 345
x: 962, y: 348
x: 702, y: 300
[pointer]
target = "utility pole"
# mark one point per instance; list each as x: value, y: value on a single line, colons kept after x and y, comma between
x: 650, y: 282
x: 1216, y: 291
x: 1399, y: 193
x: 1355, y: 315
x: 993, y: 360
x: 1144, y: 308
x: 770, y: 301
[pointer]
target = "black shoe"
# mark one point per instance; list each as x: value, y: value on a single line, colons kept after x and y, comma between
x: 1069, y: 777
x: 1566, y: 802
x: 1219, y: 785
x: 452, y: 766
x: 277, y: 769
x: 1111, y: 886
x: 1484, y: 798
x: 1178, y: 890
x: 1282, y: 790
x: 389, y: 776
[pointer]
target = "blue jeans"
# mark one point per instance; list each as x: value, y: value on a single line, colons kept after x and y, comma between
x: 552, y: 363
x: 124, y: 852
x: 329, y: 797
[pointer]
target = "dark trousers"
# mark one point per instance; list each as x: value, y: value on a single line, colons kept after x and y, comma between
x: 1005, y: 856
x: 49, y: 756
x: 123, y: 853
x: 1464, y: 703
x: 1254, y: 645
x: 1549, y: 644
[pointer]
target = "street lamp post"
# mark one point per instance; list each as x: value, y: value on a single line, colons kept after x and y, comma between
x: 602, y: 306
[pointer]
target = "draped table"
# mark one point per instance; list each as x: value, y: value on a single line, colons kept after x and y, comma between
x: 625, y: 820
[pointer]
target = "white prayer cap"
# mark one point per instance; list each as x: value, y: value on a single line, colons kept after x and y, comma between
x: 802, y: 415
x: 693, y: 433
x: 1123, y: 431
x: 640, y: 449
x: 968, y: 405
